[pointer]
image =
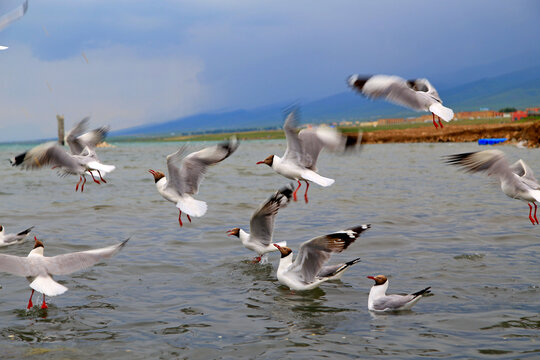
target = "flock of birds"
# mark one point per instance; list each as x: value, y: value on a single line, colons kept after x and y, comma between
x: 299, y: 163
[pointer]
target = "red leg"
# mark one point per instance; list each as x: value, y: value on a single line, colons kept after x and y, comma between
x: 188, y: 217
x: 530, y: 216
x: 440, y: 123
x: 103, y: 180
x: 295, y: 191
x: 434, y: 123
x: 44, y: 305
x: 84, y: 182
x: 77, y: 187
x: 93, y: 178
x: 305, y: 194
x: 30, y: 301
x: 257, y: 259
x: 535, y: 207
x: 180, y: 218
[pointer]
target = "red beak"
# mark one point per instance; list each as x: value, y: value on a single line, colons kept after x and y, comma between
x: 371, y: 277
x: 152, y: 172
x: 229, y: 232
x: 260, y: 162
x: 276, y: 245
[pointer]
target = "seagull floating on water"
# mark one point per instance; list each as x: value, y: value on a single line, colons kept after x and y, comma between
x: 517, y: 180
x: 417, y: 94
x: 12, y: 239
x: 261, y: 224
x: 379, y: 301
x: 308, y: 270
x: 38, y: 269
x: 300, y: 159
x: 185, y: 181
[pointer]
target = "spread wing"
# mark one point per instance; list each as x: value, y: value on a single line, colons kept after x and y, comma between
x: 47, y: 154
x: 17, y: 265
x: 174, y: 179
x: 13, y: 15
x: 77, y: 139
x: 313, y: 140
x: 425, y: 86
x: 314, y: 253
x: 294, y: 151
x: 195, y: 164
x: 262, y: 221
x: 521, y: 169
x: 68, y: 263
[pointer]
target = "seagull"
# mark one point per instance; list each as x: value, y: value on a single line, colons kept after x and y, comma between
x: 517, y: 180
x: 417, y: 94
x: 185, y: 181
x: 308, y: 270
x: 262, y: 224
x: 11, y: 239
x: 38, y: 269
x: 51, y: 153
x: 300, y: 159
x: 11, y: 16
x: 379, y: 301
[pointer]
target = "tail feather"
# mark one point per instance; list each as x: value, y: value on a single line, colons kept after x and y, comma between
x: 101, y: 167
x: 317, y: 179
x: 443, y: 112
x: 422, y: 292
x: 25, y: 232
x: 46, y: 285
x: 191, y: 206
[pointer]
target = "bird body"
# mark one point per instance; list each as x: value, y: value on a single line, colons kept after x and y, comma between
x: 262, y: 224
x: 184, y: 181
x: 379, y: 301
x: 308, y: 270
x: 38, y: 269
x: 11, y: 239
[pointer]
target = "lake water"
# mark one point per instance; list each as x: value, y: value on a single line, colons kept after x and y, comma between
x: 194, y: 293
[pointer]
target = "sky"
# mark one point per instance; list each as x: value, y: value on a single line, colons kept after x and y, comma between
x: 128, y: 63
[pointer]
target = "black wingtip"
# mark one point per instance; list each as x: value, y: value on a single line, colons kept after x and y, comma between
x: 352, y: 262
x: 287, y: 191
x: 17, y: 160
x: 123, y: 243
x: 27, y: 231
x: 422, y: 292
x: 361, y: 228
x: 357, y: 82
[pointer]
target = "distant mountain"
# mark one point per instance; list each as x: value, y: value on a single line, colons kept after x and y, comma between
x: 517, y: 89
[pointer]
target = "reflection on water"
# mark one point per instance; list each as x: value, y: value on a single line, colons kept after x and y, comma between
x: 193, y: 292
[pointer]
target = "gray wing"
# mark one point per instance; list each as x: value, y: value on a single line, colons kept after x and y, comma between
x: 294, y: 151
x: 521, y: 169
x: 493, y: 162
x: 262, y: 221
x: 68, y: 263
x: 174, y: 179
x: 17, y: 265
x: 195, y: 164
x: 47, y: 154
x: 392, y: 302
x: 77, y: 138
x: 13, y: 15
x: 313, y: 140
x: 314, y: 253
x: 425, y: 86
x: 75, y: 146
x: 391, y: 88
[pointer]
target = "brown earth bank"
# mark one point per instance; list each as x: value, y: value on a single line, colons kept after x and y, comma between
x: 453, y: 132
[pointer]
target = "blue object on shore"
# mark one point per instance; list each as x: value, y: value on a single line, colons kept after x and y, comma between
x: 491, y: 141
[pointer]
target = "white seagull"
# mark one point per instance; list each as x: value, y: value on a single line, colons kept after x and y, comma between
x: 416, y: 94
x: 300, y: 159
x: 184, y: 182
x: 308, y: 270
x: 52, y: 153
x: 11, y: 16
x: 379, y: 301
x: 517, y: 180
x: 262, y: 224
x: 38, y: 269
x: 11, y: 239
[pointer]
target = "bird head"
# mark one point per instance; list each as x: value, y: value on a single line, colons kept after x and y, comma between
x: 37, y: 243
x: 379, y: 279
x: 268, y: 161
x: 157, y: 174
x: 235, y: 232
x: 285, y: 251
